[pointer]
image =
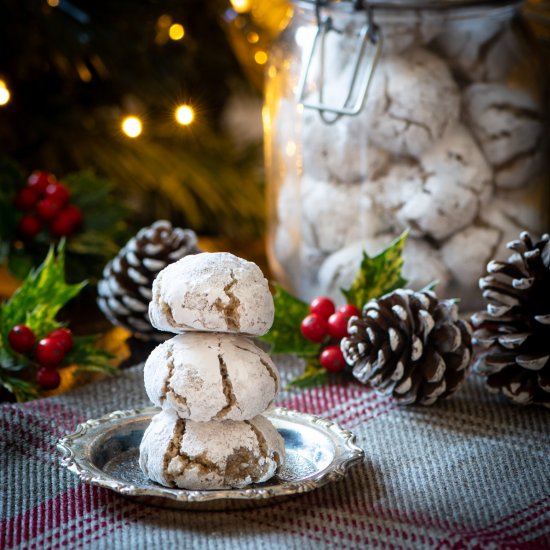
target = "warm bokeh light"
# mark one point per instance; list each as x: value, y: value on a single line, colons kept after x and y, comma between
x: 164, y: 21
x: 185, y: 114
x: 253, y: 37
x: 241, y: 6
x: 132, y: 126
x: 260, y: 57
x: 53, y: 3
x: 176, y: 31
x: 4, y: 93
x: 290, y: 148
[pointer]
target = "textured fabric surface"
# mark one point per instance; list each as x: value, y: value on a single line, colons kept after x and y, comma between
x: 470, y: 472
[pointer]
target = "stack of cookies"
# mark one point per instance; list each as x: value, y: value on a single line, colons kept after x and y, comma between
x: 211, y: 380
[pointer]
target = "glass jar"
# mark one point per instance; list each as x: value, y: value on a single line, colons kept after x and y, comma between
x: 380, y: 120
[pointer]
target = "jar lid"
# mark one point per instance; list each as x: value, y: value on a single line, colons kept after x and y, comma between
x: 409, y: 4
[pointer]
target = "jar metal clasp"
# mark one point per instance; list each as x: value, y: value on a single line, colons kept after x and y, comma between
x: 366, y: 54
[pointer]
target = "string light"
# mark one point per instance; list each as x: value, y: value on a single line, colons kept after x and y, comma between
x: 241, y: 6
x: 52, y: 3
x: 185, y: 115
x: 260, y: 57
x: 164, y: 21
x: 4, y: 93
x: 132, y: 126
x: 176, y: 31
x: 253, y: 37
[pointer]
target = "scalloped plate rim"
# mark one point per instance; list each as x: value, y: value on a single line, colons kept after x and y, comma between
x: 344, y: 440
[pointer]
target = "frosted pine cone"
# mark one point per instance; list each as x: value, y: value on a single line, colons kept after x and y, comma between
x: 410, y: 345
x: 514, y: 331
x: 124, y: 291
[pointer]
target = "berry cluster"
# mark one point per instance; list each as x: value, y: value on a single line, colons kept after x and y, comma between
x: 49, y: 352
x: 45, y: 201
x: 327, y: 325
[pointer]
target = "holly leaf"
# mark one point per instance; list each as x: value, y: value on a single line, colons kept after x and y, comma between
x: 43, y: 293
x: 378, y: 275
x: 36, y: 303
x: 285, y: 335
x: 22, y: 390
x: 88, y: 357
x: 314, y: 375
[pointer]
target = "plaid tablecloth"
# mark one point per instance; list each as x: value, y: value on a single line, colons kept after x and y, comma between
x: 470, y: 472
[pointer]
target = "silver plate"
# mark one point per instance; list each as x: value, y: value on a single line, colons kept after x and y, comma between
x: 105, y: 452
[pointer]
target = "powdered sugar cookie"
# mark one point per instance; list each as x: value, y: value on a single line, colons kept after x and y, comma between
x: 400, y: 114
x: 508, y: 125
x: 455, y: 177
x: 209, y: 455
x: 212, y: 292
x: 211, y: 376
x: 327, y: 209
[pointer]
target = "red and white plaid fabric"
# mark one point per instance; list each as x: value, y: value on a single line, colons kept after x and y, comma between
x: 470, y: 472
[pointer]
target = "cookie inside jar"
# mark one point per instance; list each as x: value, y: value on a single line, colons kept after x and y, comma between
x: 381, y: 118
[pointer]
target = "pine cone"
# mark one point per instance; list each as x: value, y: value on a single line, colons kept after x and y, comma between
x: 410, y: 345
x: 124, y: 291
x: 514, y: 331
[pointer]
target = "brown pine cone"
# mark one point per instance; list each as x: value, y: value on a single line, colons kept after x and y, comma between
x: 410, y: 345
x: 514, y: 332
x: 124, y: 292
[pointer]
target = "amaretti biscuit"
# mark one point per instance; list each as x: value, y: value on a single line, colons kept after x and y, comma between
x: 405, y: 127
x: 211, y: 376
x: 209, y: 455
x: 212, y: 292
x: 508, y: 124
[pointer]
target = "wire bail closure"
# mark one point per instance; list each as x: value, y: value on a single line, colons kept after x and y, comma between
x: 369, y: 37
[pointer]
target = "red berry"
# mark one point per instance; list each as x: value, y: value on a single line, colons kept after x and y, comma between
x: 58, y: 192
x: 64, y: 225
x: 28, y: 227
x: 21, y: 338
x: 74, y: 214
x: 338, y: 325
x: 26, y: 198
x: 314, y: 328
x: 349, y: 310
x: 332, y: 359
x: 64, y: 336
x: 48, y: 208
x: 48, y: 379
x: 323, y: 306
x: 49, y: 352
x: 39, y: 180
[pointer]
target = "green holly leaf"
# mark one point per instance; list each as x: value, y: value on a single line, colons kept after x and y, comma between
x: 22, y: 390
x: 314, y: 375
x: 88, y: 357
x: 43, y: 293
x: 36, y: 303
x: 285, y: 335
x: 378, y: 275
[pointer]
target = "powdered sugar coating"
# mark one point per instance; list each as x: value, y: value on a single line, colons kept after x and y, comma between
x: 211, y: 376
x: 447, y: 188
x: 212, y: 292
x: 404, y: 126
x: 210, y: 455
x: 508, y: 124
x: 327, y: 232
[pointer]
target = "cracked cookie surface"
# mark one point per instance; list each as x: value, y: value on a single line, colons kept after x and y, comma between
x: 211, y: 376
x: 210, y: 455
x: 406, y: 127
x: 212, y: 292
